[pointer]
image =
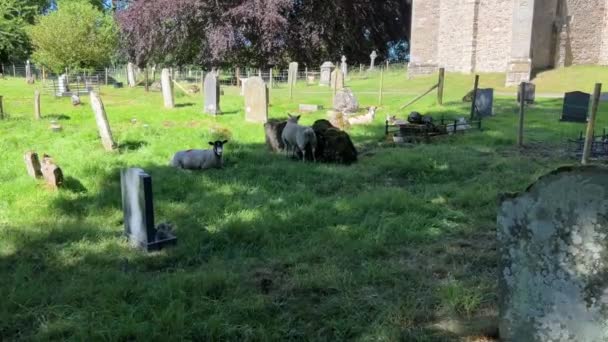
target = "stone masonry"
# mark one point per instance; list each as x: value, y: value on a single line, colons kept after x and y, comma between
x: 517, y: 37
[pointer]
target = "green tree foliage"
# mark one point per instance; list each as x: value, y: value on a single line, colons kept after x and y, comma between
x: 77, y: 36
x: 14, y: 17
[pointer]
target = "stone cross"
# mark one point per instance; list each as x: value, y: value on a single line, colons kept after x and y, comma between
x: 138, y: 211
x: 553, y: 242
x: 167, y: 88
x: 102, y: 122
x: 344, y: 66
x: 373, y: 57
x: 212, y: 94
x: 256, y: 100
x: 131, y: 75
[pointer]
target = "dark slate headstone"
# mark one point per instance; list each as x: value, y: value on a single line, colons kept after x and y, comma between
x: 484, y: 102
x: 212, y: 94
x: 138, y: 210
x: 529, y: 93
x: 576, y: 106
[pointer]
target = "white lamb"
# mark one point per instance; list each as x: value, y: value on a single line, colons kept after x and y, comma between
x: 200, y: 159
x: 363, y: 119
x: 300, y: 137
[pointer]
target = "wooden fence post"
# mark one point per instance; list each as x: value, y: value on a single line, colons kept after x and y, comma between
x: 473, y: 107
x: 37, y: 114
x: 591, y: 124
x: 522, y: 109
x: 440, y: 84
x: 381, y: 87
x: 1, y: 108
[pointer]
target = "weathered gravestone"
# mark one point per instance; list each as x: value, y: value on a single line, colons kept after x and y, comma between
x: 292, y: 76
x: 337, y: 79
x: 273, y: 130
x: 131, y: 75
x: 310, y: 107
x: 212, y: 94
x: 325, y: 77
x: 32, y: 163
x: 167, y: 88
x: 576, y: 106
x: 344, y: 67
x: 28, y: 73
x: 75, y: 100
x: 553, y: 268
x: 102, y: 122
x: 529, y: 93
x: 243, y: 84
x: 256, y: 100
x: 62, y: 85
x: 52, y: 173
x: 138, y: 211
x: 484, y: 103
x: 345, y: 101
x: 37, y: 113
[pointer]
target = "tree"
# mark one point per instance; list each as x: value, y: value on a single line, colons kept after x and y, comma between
x: 77, y: 36
x: 14, y: 17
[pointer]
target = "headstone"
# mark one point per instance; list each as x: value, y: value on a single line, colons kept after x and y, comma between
x: 529, y: 93
x: 326, y: 73
x: 484, y: 103
x: 310, y: 108
x: 310, y: 80
x: 167, y: 88
x: 552, y: 258
x: 102, y: 122
x: 37, y: 113
x: 273, y: 130
x: 53, y: 176
x: 372, y: 58
x: 292, y: 77
x: 75, y: 100
x: 333, y: 145
x: 344, y: 67
x: 243, y: 83
x: 28, y: 73
x: 131, y: 75
x: 32, y: 163
x: 138, y: 211
x: 346, y: 102
x: 256, y: 100
x: 337, y: 79
x: 576, y: 107
x: 212, y: 94
x: 62, y: 85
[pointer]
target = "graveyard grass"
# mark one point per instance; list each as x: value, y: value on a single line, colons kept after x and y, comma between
x: 399, y: 246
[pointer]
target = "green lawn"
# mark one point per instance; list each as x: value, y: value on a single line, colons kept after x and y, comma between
x: 387, y: 249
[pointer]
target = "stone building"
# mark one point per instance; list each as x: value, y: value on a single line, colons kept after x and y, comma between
x: 518, y: 37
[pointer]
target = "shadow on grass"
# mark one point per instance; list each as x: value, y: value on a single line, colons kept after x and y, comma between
x: 57, y: 117
x: 73, y: 185
x: 131, y: 145
x: 183, y: 105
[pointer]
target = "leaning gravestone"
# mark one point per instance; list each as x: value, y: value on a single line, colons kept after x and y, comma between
x: 326, y: 68
x: 167, y: 88
x: 256, y: 100
x: 553, y: 268
x: 576, y: 106
x: 32, y: 163
x: 346, y: 102
x: 292, y: 76
x: 212, y: 94
x: 484, y: 102
x: 51, y: 173
x: 529, y: 93
x: 131, y: 75
x: 102, y: 122
x: 138, y: 211
x: 337, y: 79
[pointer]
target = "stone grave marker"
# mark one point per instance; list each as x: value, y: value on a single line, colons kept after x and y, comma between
x: 212, y: 94
x: 75, y: 100
x: 310, y: 107
x: 256, y: 100
x: 553, y: 265
x: 337, y: 79
x: 62, y: 85
x: 102, y: 122
x: 345, y: 102
x: 28, y: 73
x: 372, y: 57
x: 138, y: 211
x: 344, y: 67
x: 37, y: 113
x: 131, y: 75
x: 167, y: 88
x: 292, y: 76
x: 576, y: 106
x: 325, y: 78
x: 243, y: 83
x: 32, y: 163
x: 51, y: 172
x: 484, y: 103
x: 529, y: 93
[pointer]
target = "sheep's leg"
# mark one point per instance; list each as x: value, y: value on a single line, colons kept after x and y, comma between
x: 314, y: 155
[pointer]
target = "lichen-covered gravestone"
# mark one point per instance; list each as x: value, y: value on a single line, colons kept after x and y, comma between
x: 212, y: 94
x: 553, y: 273
x: 346, y: 102
x: 256, y: 100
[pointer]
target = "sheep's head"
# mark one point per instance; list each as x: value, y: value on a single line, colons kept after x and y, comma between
x: 218, y: 147
x: 293, y: 119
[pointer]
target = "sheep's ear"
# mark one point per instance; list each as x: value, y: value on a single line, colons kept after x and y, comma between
x: 298, y: 117
x: 224, y: 142
x: 289, y: 115
x: 212, y: 144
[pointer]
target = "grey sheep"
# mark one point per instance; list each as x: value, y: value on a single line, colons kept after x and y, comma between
x: 200, y: 159
x: 296, y: 136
